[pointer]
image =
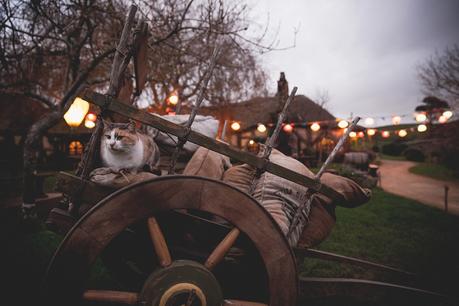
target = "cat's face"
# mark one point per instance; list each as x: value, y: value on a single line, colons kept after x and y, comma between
x: 119, y: 137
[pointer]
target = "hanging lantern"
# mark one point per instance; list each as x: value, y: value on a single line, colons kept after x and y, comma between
x: 235, y: 126
x: 448, y: 114
x: 369, y: 121
x: 396, y: 120
x: 315, y: 127
x: 422, y: 128
x: 352, y: 134
x: 261, y: 128
x: 288, y: 128
x: 442, y: 119
x: 343, y: 124
x: 402, y: 133
x: 371, y: 132
x: 385, y: 134
x: 77, y: 112
x: 421, y: 117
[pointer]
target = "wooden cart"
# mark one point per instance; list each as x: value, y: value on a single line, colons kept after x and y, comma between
x: 162, y: 241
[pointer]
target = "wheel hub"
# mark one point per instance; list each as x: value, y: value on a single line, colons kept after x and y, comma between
x: 184, y: 282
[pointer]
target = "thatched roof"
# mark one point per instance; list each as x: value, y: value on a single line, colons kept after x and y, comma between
x: 265, y: 109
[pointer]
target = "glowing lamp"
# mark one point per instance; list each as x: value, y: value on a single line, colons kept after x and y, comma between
x: 235, y: 126
x: 251, y: 142
x: 343, y: 124
x: 315, y: 127
x: 288, y: 128
x: 173, y: 99
x: 422, y: 128
x: 352, y: 134
x: 402, y: 133
x: 261, y: 128
x: 369, y: 121
x: 361, y: 134
x: 385, y: 134
x: 77, y: 112
x: 396, y: 120
x: 89, y: 124
x: 442, y: 119
x: 421, y: 117
x: 91, y: 117
x: 371, y: 132
x: 448, y: 114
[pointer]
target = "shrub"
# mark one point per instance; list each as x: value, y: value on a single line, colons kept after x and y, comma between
x: 414, y: 155
x: 394, y: 148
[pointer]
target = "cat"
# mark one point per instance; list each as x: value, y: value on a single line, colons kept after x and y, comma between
x: 123, y: 148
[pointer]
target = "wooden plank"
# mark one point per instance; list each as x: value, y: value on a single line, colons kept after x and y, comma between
x: 72, y: 185
x: 168, y: 127
x: 140, y: 57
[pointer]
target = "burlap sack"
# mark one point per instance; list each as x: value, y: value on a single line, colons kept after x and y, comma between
x: 207, y: 163
x: 109, y: 178
x: 319, y: 226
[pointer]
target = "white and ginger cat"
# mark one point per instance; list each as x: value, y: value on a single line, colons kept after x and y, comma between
x: 123, y: 148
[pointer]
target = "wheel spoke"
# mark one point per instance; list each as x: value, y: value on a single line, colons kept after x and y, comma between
x: 221, y: 249
x: 241, y: 303
x: 129, y: 298
x: 159, y: 242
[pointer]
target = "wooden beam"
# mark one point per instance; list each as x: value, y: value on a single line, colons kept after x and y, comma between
x: 171, y: 128
x: 129, y: 298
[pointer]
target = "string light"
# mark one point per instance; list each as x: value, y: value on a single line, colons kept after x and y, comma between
x: 89, y: 124
x: 421, y: 117
x: 235, y: 126
x: 343, y: 124
x: 261, y: 128
x: 371, y: 132
x: 173, y: 98
x: 315, y: 127
x: 369, y: 121
x: 288, y: 128
x: 251, y: 142
x: 385, y: 134
x: 448, y: 114
x: 402, y: 133
x: 91, y: 117
x: 361, y: 134
x: 352, y: 134
x: 422, y: 128
x: 396, y: 120
x: 442, y: 119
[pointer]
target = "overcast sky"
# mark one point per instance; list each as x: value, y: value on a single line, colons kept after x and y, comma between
x: 364, y: 52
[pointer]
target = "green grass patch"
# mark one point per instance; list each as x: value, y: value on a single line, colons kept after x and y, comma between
x: 394, y: 231
x: 435, y: 171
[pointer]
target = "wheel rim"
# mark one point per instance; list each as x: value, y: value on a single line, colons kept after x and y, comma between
x: 69, y: 268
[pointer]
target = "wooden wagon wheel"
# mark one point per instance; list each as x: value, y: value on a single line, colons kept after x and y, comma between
x: 69, y: 269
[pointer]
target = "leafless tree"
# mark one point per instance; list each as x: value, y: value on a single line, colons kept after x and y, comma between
x: 439, y: 75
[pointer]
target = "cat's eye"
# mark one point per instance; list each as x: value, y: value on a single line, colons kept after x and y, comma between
x: 119, y: 137
x: 108, y: 136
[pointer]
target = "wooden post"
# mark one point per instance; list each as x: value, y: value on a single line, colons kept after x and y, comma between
x: 446, y: 197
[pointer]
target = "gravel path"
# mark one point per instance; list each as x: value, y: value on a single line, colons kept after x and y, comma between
x: 395, y: 178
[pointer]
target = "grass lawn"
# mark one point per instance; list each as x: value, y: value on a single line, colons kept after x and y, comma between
x: 435, y: 171
x: 389, y: 230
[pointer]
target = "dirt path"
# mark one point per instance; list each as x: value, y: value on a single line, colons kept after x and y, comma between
x: 395, y: 178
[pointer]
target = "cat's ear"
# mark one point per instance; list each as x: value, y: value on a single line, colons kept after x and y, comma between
x: 131, y: 126
x: 107, y: 124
